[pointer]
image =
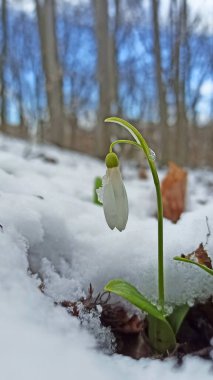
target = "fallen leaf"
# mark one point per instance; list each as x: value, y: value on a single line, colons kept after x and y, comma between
x: 173, y: 190
x: 200, y: 256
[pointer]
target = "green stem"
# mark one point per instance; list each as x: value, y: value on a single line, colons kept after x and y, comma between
x: 160, y: 236
x: 141, y: 143
x: 123, y: 142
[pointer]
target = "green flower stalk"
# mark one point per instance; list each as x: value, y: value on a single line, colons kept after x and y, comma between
x: 141, y: 144
x: 162, y: 329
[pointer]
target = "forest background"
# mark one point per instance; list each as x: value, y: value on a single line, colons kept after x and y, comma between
x: 67, y: 65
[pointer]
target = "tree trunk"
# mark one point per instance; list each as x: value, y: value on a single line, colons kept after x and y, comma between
x: 51, y: 67
x: 180, y: 64
x: 165, y: 140
x: 102, y: 35
x: 2, y: 64
x: 113, y: 66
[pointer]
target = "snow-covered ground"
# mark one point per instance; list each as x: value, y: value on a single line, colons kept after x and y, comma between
x: 50, y: 225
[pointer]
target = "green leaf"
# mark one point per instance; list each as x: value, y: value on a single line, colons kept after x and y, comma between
x: 97, y: 185
x: 131, y: 294
x: 177, y: 317
x: 208, y: 270
x: 161, y: 335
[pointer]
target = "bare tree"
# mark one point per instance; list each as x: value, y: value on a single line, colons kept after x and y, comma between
x: 113, y: 59
x: 102, y: 35
x: 161, y: 90
x: 2, y: 63
x: 46, y: 22
x: 179, y: 66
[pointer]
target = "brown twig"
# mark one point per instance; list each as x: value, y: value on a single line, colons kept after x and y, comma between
x: 209, y: 231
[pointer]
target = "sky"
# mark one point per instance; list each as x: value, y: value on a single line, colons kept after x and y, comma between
x: 204, y: 7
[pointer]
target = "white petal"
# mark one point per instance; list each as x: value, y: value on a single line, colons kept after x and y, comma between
x: 121, y: 201
x: 109, y: 205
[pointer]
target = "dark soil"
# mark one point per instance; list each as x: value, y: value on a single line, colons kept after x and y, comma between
x: 197, y: 330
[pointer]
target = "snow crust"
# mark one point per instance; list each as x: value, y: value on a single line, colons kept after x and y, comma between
x: 51, y: 227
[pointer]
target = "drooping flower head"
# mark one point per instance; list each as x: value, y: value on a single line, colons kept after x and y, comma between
x: 113, y: 195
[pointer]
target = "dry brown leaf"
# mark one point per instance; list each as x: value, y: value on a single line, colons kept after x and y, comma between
x: 173, y: 190
x: 200, y: 255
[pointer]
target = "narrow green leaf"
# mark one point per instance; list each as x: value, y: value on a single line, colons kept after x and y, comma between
x: 160, y: 333
x: 208, y: 270
x: 177, y: 317
x: 131, y: 294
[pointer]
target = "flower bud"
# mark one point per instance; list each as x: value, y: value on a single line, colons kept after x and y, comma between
x: 111, y: 160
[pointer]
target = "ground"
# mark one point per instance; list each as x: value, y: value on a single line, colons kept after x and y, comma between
x: 53, y: 235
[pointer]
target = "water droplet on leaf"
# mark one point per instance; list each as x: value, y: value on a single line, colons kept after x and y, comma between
x: 152, y: 155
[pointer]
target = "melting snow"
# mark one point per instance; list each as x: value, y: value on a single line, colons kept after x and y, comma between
x: 51, y: 226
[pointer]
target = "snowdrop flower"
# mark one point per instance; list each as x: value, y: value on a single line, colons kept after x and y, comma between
x: 113, y: 195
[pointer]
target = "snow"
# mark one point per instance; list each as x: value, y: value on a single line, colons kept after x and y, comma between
x: 51, y: 227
